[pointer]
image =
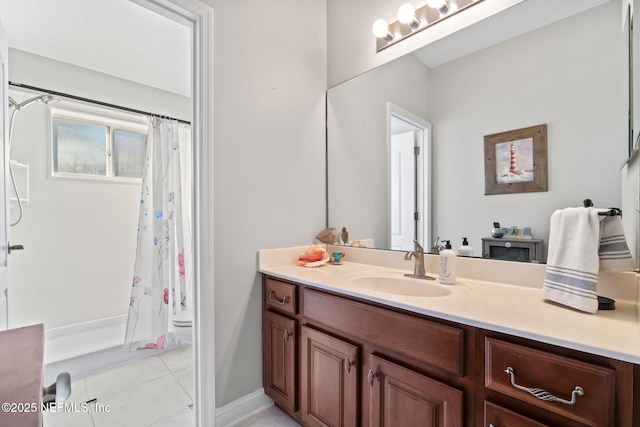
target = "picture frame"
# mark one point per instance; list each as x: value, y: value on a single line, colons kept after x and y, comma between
x: 515, y: 161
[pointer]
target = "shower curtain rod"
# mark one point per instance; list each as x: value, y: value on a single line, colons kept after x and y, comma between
x: 93, y: 101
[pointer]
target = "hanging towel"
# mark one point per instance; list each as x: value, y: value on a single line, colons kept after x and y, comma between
x: 581, y: 242
x: 614, y: 252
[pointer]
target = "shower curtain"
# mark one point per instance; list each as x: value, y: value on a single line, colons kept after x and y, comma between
x: 160, y: 270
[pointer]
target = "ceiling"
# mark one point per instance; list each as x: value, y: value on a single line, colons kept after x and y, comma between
x: 115, y: 37
x: 512, y: 22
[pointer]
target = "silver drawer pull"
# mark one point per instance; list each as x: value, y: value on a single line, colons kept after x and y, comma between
x: 272, y: 298
x: 543, y: 394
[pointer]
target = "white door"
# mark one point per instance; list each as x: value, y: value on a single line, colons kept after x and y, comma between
x: 4, y: 199
x: 403, y: 191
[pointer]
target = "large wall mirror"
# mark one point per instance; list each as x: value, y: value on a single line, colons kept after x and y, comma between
x: 571, y: 75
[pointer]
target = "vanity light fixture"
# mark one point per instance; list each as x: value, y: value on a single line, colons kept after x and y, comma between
x: 411, y: 20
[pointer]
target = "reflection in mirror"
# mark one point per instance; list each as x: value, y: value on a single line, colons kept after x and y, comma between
x: 631, y: 170
x: 634, y: 80
x: 409, y: 156
x: 571, y: 75
x: 358, y: 151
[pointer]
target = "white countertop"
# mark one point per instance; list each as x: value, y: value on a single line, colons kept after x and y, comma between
x: 515, y: 310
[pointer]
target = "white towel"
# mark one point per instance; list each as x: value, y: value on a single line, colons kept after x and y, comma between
x: 613, y: 251
x: 581, y: 242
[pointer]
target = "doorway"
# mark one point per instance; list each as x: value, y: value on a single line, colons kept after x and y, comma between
x: 199, y: 18
x: 409, y: 178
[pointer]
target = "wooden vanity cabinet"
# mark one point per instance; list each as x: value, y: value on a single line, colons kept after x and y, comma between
x: 398, y: 352
x: 334, y: 360
x: 363, y: 364
x: 280, y: 344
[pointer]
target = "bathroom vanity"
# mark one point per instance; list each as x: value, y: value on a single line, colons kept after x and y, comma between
x: 340, y: 354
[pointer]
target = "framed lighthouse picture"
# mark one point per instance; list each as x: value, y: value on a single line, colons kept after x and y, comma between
x: 516, y: 161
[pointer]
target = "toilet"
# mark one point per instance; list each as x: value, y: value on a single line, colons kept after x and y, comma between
x: 183, y: 319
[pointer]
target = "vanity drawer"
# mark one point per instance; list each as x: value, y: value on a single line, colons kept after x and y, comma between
x: 281, y: 296
x: 433, y: 343
x: 551, y: 375
x: 497, y: 416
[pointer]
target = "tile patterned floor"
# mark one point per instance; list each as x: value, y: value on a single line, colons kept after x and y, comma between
x: 151, y: 392
x: 270, y: 417
x: 156, y: 391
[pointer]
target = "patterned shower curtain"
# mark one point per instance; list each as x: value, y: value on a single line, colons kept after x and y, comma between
x: 159, y: 277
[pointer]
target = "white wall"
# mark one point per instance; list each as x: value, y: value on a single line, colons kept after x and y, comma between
x: 570, y: 75
x: 357, y: 128
x: 79, y: 236
x: 270, y: 83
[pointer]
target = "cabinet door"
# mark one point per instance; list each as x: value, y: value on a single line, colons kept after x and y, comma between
x: 329, y: 369
x: 497, y: 416
x: 279, y: 359
x: 402, y: 397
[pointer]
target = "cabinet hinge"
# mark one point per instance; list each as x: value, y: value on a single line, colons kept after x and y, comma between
x: 416, y: 216
x: 416, y: 151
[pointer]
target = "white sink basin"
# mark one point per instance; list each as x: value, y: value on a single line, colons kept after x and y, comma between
x: 397, y: 284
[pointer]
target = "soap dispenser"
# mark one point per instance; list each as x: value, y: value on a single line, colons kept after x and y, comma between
x: 447, y: 264
x: 465, y: 249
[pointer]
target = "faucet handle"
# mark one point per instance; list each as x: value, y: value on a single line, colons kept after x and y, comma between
x: 419, y: 247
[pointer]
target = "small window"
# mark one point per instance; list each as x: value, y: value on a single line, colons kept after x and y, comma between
x: 79, y: 148
x: 128, y: 153
x: 90, y: 146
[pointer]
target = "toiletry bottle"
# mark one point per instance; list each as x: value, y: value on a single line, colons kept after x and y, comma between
x: 447, y: 264
x: 465, y: 249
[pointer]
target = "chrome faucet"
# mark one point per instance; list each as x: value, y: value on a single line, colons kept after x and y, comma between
x: 418, y: 257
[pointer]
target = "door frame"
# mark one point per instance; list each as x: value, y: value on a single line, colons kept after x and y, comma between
x: 5, y: 263
x: 199, y: 17
x: 423, y: 169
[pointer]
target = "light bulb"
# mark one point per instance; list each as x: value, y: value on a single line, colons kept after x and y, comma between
x: 436, y: 4
x: 407, y: 13
x: 441, y: 6
x: 380, y: 28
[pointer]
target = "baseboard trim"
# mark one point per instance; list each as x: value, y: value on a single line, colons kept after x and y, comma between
x: 239, y: 410
x: 79, y: 339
